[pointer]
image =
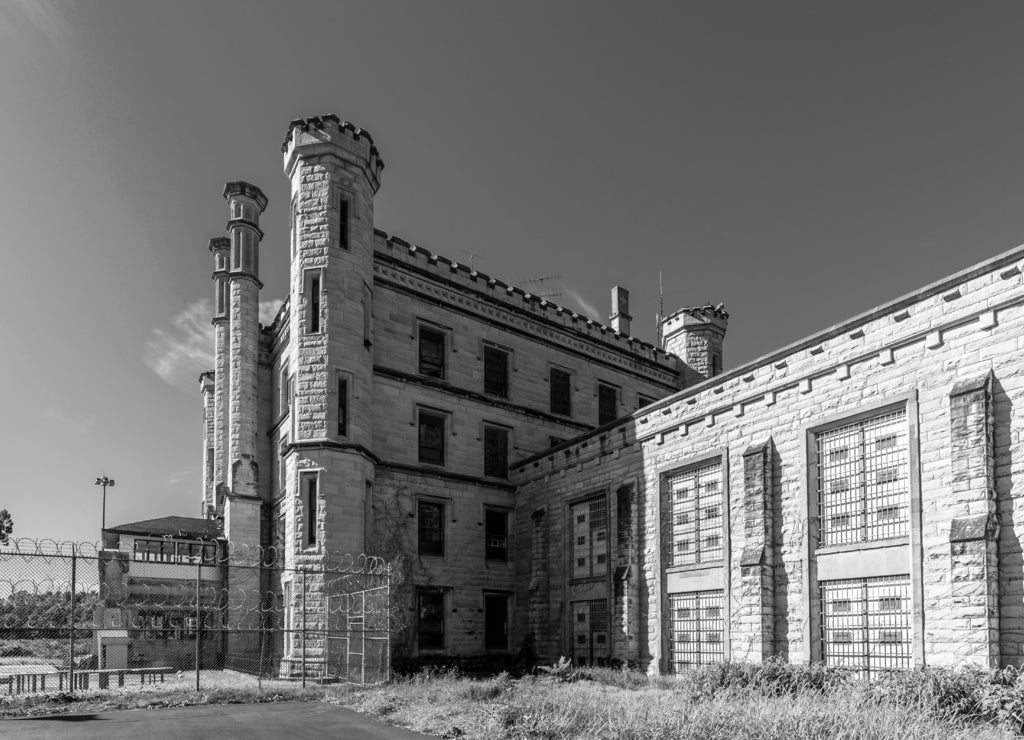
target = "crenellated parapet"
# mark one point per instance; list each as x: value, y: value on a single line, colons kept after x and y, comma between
x: 328, y: 134
x: 463, y: 277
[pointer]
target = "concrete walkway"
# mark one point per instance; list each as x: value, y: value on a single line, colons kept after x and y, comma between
x: 275, y: 720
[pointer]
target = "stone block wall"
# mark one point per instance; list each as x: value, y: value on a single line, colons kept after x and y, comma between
x: 964, y: 461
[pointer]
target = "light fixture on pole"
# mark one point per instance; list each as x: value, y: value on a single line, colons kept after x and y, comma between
x: 104, y: 481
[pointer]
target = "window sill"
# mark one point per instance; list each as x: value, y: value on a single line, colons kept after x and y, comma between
x: 695, y: 566
x: 868, y: 545
x: 588, y: 579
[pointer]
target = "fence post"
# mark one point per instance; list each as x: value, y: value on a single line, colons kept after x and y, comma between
x: 387, y: 625
x: 199, y: 621
x: 71, y: 625
x: 304, y: 571
x: 324, y: 614
x: 264, y: 595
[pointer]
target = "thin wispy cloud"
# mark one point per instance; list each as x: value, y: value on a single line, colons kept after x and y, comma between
x: 20, y: 19
x: 589, y: 309
x: 69, y: 422
x: 187, y: 475
x: 268, y: 310
x: 178, y: 354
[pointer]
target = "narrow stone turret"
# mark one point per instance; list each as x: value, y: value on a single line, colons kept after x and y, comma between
x: 220, y: 248
x: 245, y: 204
x: 696, y: 335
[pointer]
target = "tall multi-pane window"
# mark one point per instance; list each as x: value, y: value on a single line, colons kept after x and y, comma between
x: 431, y: 438
x: 430, y: 524
x: 495, y: 371
x: 496, y: 534
x: 696, y: 628
x: 430, y: 620
x: 590, y: 632
x: 431, y: 359
x: 695, y: 497
x: 589, y: 537
x: 643, y: 400
x: 863, y: 480
x: 561, y: 392
x: 607, y: 403
x: 495, y: 451
x: 865, y: 624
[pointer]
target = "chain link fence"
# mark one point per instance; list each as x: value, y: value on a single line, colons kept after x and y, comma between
x: 76, y: 617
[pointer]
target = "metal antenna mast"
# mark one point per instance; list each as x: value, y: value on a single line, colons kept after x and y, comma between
x: 661, y: 310
x: 542, y: 281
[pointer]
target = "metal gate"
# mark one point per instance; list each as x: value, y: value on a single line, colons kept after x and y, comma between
x: 358, y: 640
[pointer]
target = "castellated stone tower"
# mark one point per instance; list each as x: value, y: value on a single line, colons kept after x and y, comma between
x: 334, y: 170
x: 696, y: 335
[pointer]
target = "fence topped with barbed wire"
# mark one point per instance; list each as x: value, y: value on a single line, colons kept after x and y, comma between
x: 74, y: 615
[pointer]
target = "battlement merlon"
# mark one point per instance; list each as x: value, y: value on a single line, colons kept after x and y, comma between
x: 714, y: 318
x: 328, y: 135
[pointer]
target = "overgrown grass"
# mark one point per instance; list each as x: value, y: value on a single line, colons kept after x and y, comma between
x: 774, y: 700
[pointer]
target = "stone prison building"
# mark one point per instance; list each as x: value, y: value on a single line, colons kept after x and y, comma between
x: 558, y: 487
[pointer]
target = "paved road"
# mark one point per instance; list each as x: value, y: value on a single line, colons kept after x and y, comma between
x: 275, y: 720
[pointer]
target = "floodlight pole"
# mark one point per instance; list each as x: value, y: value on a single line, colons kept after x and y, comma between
x: 104, y: 481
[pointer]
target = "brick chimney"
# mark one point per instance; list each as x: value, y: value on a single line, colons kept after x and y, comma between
x: 620, y: 310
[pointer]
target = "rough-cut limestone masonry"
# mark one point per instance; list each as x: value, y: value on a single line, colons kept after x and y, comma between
x: 860, y: 506
x: 549, y: 485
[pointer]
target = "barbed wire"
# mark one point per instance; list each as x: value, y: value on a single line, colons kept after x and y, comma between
x: 226, y: 553
x: 121, y: 589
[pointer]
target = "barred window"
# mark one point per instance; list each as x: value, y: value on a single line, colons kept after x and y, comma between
x: 496, y: 534
x: 696, y: 507
x: 495, y: 371
x: 560, y: 392
x: 431, y: 528
x: 590, y: 632
x: 590, y: 537
x: 495, y: 451
x: 865, y: 624
x: 607, y: 403
x: 431, y: 438
x: 432, y: 357
x: 430, y: 622
x: 697, y: 631
x: 863, y: 480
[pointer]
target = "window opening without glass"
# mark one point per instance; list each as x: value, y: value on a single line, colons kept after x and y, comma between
x: 863, y: 480
x: 696, y: 510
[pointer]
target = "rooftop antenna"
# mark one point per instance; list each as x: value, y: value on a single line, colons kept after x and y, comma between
x: 661, y: 310
x: 542, y: 283
x: 472, y: 256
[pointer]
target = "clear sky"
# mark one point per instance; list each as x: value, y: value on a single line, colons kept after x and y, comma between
x: 800, y: 161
